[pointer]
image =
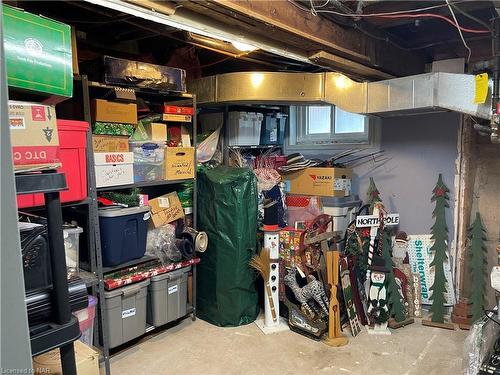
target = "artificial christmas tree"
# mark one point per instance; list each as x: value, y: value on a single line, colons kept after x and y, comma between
x: 440, y: 236
x: 373, y: 194
x: 478, y: 260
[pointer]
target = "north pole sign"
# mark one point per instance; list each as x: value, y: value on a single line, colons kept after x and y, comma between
x: 374, y: 220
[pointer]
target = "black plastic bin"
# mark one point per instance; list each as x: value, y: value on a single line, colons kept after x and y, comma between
x: 123, y: 234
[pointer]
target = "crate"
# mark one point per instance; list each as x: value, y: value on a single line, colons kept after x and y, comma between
x: 125, y: 311
x: 73, y: 157
x: 123, y: 234
x: 167, y: 297
x: 86, y: 320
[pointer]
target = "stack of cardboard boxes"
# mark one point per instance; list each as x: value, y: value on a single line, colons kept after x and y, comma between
x: 114, y: 123
x: 127, y: 150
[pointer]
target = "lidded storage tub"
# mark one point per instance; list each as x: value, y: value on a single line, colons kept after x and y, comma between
x: 149, y: 159
x: 123, y: 234
x: 125, y: 310
x: 167, y: 297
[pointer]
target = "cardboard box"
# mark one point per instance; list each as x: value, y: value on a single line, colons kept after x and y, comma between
x: 108, y: 111
x: 38, y: 53
x: 114, y: 168
x: 110, y: 143
x: 325, y: 182
x: 165, y: 209
x: 174, y: 109
x: 34, y: 136
x: 87, y: 361
x: 112, y: 128
x: 177, y: 118
x: 179, y: 163
x: 154, y: 131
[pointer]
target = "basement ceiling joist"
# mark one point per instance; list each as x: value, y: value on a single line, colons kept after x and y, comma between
x: 345, y: 42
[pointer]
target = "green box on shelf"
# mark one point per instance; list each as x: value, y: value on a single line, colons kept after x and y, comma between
x: 37, y: 53
x: 112, y: 128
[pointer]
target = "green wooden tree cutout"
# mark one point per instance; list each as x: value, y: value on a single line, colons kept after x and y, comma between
x: 373, y: 194
x: 396, y: 305
x: 440, y: 236
x: 477, y: 235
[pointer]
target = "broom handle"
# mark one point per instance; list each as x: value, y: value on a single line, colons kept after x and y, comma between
x: 270, y: 300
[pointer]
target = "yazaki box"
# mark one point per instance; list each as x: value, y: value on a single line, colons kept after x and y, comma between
x: 114, y: 168
x: 325, y: 182
x: 34, y: 137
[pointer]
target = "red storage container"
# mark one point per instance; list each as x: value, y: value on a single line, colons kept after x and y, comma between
x: 73, y: 156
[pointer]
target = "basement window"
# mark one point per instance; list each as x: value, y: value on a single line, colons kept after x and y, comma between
x: 326, y: 124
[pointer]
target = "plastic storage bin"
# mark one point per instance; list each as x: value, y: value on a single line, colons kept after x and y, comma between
x: 167, y: 297
x: 148, y: 172
x: 125, y: 310
x: 342, y: 209
x: 73, y: 156
x: 273, y: 129
x: 149, y: 159
x: 71, y: 246
x: 123, y: 234
x: 86, y: 320
x: 244, y: 128
x: 147, y: 151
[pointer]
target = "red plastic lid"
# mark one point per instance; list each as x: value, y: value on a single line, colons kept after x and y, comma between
x: 72, y: 125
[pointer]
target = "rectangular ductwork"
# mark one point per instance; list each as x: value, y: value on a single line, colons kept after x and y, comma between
x: 399, y: 96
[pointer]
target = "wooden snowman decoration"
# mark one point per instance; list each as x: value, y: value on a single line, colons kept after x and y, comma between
x: 378, y: 309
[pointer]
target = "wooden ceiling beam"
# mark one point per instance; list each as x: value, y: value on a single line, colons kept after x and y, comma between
x: 346, y: 42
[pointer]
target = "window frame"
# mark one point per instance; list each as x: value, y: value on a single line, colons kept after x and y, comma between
x: 305, y: 140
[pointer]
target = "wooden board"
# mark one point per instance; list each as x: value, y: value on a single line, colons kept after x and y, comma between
x: 394, y: 325
x: 348, y: 297
x: 430, y: 323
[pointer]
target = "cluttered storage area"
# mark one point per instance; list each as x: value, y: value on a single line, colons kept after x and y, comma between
x: 250, y: 187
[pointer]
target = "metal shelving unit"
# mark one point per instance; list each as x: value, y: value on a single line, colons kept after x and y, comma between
x: 95, y: 277
x: 144, y: 184
x: 64, y: 329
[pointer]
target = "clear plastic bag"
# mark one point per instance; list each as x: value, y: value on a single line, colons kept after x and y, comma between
x: 206, y: 149
x: 479, y: 343
x: 161, y: 244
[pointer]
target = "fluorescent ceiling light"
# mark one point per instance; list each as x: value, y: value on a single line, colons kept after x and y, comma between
x: 185, y: 23
x: 243, y: 47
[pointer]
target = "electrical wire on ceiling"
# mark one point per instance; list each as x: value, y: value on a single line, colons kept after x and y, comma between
x: 367, y: 15
x: 459, y: 31
x: 397, y: 14
x: 475, y: 19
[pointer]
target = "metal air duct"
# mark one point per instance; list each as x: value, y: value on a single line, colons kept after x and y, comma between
x: 408, y: 95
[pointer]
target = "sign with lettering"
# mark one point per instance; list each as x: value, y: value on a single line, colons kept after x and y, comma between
x: 420, y: 256
x: 374, y: 221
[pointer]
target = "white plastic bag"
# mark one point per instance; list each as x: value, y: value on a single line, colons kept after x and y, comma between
x: 206, y: 149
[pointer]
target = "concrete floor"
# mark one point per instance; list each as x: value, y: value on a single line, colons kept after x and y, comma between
x: 201, y: 348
